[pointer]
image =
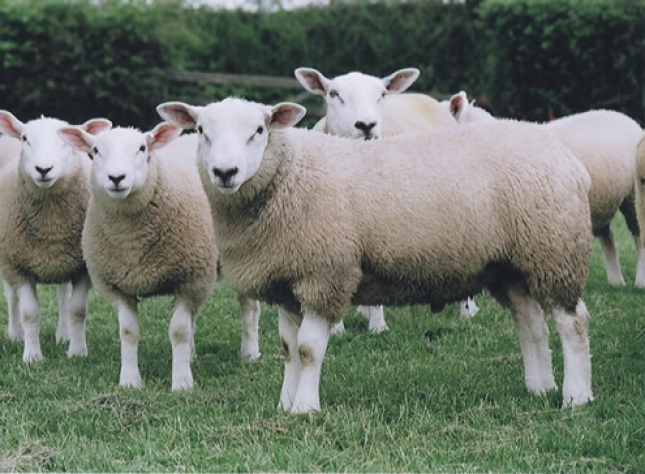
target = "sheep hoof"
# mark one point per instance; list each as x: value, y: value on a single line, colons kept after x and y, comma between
x: 616, y: 280
x: 577, y: 400
x: 379, y: 329
x: 183, y: 384
x: 304, y: 408
x: 61, y: 337
x: 250, y: 358
x: 15, y: 335
x: 80, y: 352
x: 338, y: 329
x: 32, y: 356
x: 131, y: 382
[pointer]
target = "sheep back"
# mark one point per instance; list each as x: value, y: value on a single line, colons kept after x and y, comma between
x: 604, y: 141
x: 410, y: 219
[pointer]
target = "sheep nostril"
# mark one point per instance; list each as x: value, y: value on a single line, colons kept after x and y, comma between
x: 43, y: 171
x: 225, y: 175
x: 117, y: 179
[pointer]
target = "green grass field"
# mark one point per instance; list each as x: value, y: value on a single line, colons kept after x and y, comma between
x: 436, y: 393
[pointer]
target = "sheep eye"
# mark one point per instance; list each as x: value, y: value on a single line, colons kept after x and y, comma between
x: 24, y: 138
x: 333, y: 94
x: 260, y: 130
x: 200, y: 130
x: 142, y: 148
x: 95, y: 150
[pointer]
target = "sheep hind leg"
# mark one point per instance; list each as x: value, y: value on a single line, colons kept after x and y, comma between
x: 30, y: 318
x: 14, y: 329
x: 288, y: 326
x: 628, y: 210
x: 574, y: 336
x: 76, y: 307
x: 533, y: 333
x: 250, y: 312
x: 376, y: 317
x: 180, y: 333
x: 610, y: 256
x: 63, y: 294
x: 129, y: 333
x: 313, y: 337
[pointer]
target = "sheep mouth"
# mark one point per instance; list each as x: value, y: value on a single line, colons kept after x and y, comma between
x: 45, y: 182
x: 227, y: 188
x: 117, y: 193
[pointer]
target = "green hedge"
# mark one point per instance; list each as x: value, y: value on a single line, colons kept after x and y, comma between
x: 77, y: 59
x: 565, y: 56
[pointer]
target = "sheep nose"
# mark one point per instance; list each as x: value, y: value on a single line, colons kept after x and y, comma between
x: 366, y: 128
x: 43, y: 171
x: 225, y: 175
x: 116, y: 179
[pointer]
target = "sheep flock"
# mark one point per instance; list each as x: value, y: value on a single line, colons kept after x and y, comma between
x: 394, y: 198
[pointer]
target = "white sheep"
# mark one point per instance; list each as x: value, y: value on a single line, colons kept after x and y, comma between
x: 44, y: 194
x: 640, y: 186
x: 299, y: 223
x: 362, y: 106
x: 605, y: 142
x: 148, y: 232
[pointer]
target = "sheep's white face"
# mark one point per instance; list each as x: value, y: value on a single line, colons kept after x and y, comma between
x: 45, y: 157
x: 121, y: 159
x: 233, y: 135
x: 355, y: 100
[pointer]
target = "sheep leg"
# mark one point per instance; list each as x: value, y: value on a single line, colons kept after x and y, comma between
x: 338, y: 328
x: 574, y: 336
x: 288, y: 325
x: 129, y: 333
x: 14, y: 331
x: 181, y: 337
x: 313, y: 337
x: 76, y: 307
x: 533, y: 333
x: 63, y: 292
x: 250, y: 328
x: 30, y: 317
x: 628, y: 210
x: 376, y: 318
x: 468, y: 308
x: 639, y: 282
x: 610, y: 256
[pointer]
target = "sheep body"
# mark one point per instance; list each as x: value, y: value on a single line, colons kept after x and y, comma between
x: 605, y: 142
x: 296, y: 227
x: 44, y: 197
x: 148, y: 232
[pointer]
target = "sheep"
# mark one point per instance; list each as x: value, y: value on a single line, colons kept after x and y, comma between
x: 298, y: 224
x: 640, y: 185
x: 9, y: 149
x: 605, y: 142
x: 364, y: 107
x: 44, y: 194
x: 148, y: 232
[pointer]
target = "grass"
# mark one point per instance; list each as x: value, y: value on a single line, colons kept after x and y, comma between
x: 435, y: 393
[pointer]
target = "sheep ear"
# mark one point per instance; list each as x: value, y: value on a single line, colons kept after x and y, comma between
x: 10, y: 125
x: 162, y: 135
x: 96, y: 126
x: 312, y: 80
x: 77, y: 138
x: 179, y: 114
x: 458, y: 103
x: 285, y: 115
x: 400, y: 80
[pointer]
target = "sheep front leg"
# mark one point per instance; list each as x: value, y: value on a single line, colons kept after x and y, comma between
x: 63, y: 293
x: 574, y: 336
x: 531, y: 328
x: 288, y: 325
x: 313, y: 337
x: 76, y: 306
x: 250, y: 312
x: 181, y: 338
x: 376, y: 318
x: 129, y: 332
x: 30, y: 317
x: 640, y: 263
x: 14, y: 330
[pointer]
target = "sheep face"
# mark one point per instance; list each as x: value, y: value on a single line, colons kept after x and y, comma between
x: 233, y: 135
x: 45, y: 158
x: 355, y: 101
x: 464, y: 111
x: 121, y: 156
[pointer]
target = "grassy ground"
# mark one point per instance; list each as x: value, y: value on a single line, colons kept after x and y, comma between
x: 435, y: 393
